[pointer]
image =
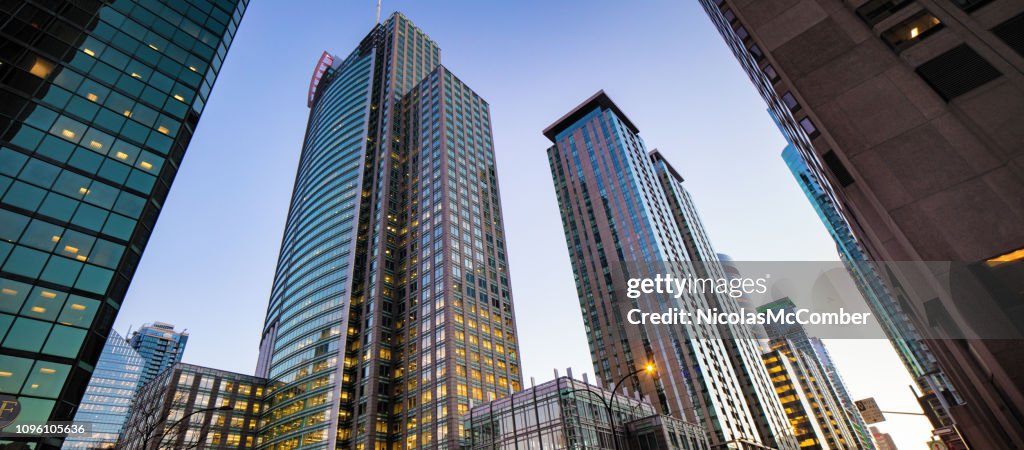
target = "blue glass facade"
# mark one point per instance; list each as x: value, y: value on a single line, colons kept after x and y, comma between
x: 109, y: 395
x: 160, y: 347
x: 308, y: 312
x: 391, y: 308
x: 98, y: 102
x: 896, y: 325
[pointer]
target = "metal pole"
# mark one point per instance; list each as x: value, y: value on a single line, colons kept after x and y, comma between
x: 904, y: 413
x: 607, y: 408
x: 615, y: 387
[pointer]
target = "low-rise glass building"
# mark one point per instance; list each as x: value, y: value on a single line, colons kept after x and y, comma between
x: 189, y: 406
x: 567, y: 413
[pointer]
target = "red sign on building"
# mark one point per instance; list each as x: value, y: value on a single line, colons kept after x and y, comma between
x: 321, y: 66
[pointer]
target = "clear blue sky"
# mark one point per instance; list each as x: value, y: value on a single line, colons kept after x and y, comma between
x: 210, y: 263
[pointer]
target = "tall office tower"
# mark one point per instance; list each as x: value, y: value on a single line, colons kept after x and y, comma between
x: 813, y: 352
x: 741, y: 342
x: 619, y: 224
x: 811, y: 406
x: 109, y: 395
x: 160, y: 346
x: 908, y: 112
x: 936, y: 391
x: 189, y: 406
x: 98, y: 102
x: 391, y: 309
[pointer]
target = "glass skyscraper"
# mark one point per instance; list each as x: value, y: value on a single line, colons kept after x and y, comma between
x: 98, y: 102
x: 936, y: 390
x: 626, y: 215
x: 109, y: 395
x: 390, y: 310
x: 160, y: 347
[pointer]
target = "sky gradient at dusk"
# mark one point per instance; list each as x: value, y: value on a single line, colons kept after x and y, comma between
x: 210, y: 263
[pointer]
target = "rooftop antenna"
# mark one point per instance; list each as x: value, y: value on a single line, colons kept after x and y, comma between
x: 378, y: 12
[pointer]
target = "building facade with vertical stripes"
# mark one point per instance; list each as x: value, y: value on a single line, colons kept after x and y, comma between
x: 391, y: 308
x: 619, y: 224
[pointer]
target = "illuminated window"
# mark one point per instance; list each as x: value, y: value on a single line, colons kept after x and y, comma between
x: 41, y: 68
x: 1015, y: 255
x: 912, y: 30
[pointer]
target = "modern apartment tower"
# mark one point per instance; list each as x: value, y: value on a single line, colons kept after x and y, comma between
x: 109, y: 395
x: 817, y: 418
x: 909, y: 113
x: 391, y: 310
x: 742, y: 344
x: 620, y: 223
x: 160, y: 345
x: 816, y: 363
x: 98, y: 103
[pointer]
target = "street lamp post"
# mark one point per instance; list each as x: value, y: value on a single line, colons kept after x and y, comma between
x: 649, y: 368
x: 604, y: 402
x: 608, y: 405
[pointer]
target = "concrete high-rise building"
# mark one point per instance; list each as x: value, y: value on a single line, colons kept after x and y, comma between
x: 109, y: 395
x: 909, y: 113
x: 391, y: 309
x: 160, y: 346
x: 830, y: 389
x: 98, y: 103
x: 625, y: 216
x: 189, y: 406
